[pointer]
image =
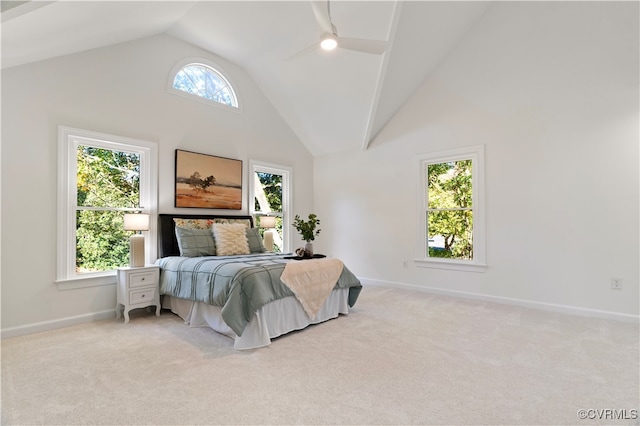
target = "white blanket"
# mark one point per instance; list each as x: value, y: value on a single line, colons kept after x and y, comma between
x: 311, y: 281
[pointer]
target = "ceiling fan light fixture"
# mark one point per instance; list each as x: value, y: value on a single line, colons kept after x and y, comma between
x: 329, y: 43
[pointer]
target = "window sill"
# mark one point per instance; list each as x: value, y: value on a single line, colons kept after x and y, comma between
x: 454, y: 265
x: 196, y: 98
x: 86, y: 282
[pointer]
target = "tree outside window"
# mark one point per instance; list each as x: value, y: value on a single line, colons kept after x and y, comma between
x: 451, y: 232
x: 108, y: 185
x: 268, y: 199
x: 205, y: 82
x: 270, y: 194
x: 450, y: 210
x: 100, y: 178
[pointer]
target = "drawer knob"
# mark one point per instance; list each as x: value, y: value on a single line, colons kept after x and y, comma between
x: 143, y: 296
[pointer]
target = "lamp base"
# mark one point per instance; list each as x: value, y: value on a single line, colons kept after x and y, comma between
x: 136, y: 250
x: 268, y: 240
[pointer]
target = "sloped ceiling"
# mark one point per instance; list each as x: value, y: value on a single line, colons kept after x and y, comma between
x: 334, y: 101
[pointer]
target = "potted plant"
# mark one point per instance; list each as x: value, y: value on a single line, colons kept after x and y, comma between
x: 307, y: 230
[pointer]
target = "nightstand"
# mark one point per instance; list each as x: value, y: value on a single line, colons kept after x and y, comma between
x: 137, y: 288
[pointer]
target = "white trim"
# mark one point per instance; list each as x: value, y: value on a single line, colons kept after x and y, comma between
x: 91, y: 280
x: 39, y: 327
x: 218, y: 69
x: 553, y: 307
x: 451, y: 264
x: 476, y: 154
x: 287, y: 182
x: 21, y: 9
x: 382, y: 73
x: 68, y: 140
x: 564, y: 309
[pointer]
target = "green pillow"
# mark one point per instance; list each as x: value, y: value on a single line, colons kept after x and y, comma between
x: 255, y: 241
x: 195, y: 242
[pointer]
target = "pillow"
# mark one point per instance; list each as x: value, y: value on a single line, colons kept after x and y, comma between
x: 207, y: 223
x: 255, y: 241
x: 195, y: 242
x: 193, y: 223
x: 230, y: 238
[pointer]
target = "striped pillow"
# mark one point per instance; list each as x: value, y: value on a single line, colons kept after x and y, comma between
x: 195, y: 242
x: 255, y: 241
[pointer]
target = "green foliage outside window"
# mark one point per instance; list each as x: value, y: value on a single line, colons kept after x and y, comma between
x: 449, y: 211
x: 272, y: 186
x: 108, y: 185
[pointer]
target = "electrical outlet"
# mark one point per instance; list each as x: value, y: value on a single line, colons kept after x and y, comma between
x: 616, y: 283
x: 405, y: 263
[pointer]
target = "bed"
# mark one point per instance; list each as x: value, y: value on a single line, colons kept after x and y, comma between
x: 206, y: 282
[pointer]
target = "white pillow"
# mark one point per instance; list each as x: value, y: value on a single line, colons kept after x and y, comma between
x: 231, y: 239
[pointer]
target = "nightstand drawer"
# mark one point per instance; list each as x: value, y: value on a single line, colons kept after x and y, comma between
x: 142, y: 296
x: 143, y: 278
x: 138, y: 287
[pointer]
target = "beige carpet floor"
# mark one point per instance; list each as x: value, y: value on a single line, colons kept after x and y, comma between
x: 400, y: 357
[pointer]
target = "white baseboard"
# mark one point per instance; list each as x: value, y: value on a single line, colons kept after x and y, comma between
x: 55, y: 324
x: 566, y: 309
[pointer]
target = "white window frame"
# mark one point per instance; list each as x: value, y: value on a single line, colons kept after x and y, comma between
x: 287, y: 178
x: 218, y: 70
x: 478, y: 263
x: 68, y: 141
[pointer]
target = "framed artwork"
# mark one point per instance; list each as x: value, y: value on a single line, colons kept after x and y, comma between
x: 206, y: 181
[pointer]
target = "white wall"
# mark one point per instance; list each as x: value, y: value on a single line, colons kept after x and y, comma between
x: 119, y: 90
x: 551, y: 89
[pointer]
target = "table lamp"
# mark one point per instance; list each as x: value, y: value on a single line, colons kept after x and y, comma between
x: 136, y: 222
x: 268, y: 223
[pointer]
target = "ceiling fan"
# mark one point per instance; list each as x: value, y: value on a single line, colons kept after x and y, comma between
x: 330, y: 39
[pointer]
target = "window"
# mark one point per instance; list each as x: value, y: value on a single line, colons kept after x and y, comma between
x: 451, y: 233
x: 269, y: 186
x: 101, y: 177
x: 205, y: 83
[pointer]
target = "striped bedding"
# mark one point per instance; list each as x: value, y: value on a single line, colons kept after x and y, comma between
x: 240, y: 285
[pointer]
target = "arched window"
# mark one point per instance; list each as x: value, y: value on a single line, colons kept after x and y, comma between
x: 205, y: 82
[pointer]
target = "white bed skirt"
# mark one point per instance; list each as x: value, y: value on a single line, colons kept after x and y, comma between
x: 272, y: 320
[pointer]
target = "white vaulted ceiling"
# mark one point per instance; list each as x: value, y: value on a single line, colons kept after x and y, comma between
x: 333, y: 101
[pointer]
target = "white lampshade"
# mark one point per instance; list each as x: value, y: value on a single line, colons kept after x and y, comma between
x: 267, y: 222
x: 136, y: 222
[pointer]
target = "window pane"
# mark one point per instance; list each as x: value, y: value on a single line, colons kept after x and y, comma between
x: 268, y: 197
x: 213, y: 83
x: 450, y: 234
x: 224, y: 97
x: 107, y: 178
x: 101, y: 242
x: 449, y: 185
x: 183, y: 82
x: 196, y: 75
x: 206, y: 83
x: 277, y: 237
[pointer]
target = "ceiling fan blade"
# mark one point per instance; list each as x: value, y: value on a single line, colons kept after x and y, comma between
x: 321, y: 10
x: 375, y: 47
x: 304, y: 51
